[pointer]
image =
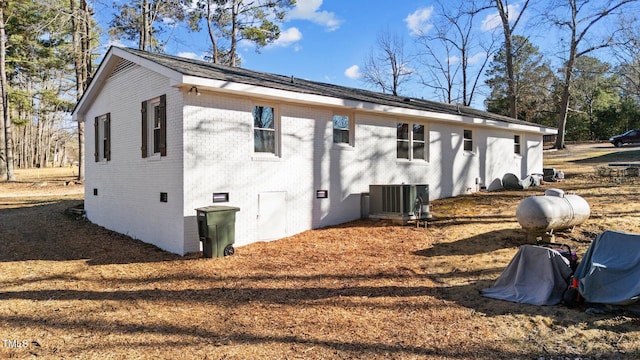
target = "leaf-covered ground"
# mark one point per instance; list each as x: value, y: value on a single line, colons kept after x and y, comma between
x: 70, y: 289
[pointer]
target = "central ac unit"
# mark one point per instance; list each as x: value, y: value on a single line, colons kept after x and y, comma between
x: 399, y: 202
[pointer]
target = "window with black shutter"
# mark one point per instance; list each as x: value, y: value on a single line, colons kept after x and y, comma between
x: 96, y: 138
x: 106, y: 141
x: 154, y: 127
x: 144, y: 129
x: 102, y: 137
x: 162, y: 137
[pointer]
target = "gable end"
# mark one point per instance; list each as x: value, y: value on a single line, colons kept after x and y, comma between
x: 122, y: 66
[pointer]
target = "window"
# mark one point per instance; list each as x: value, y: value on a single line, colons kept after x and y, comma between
x: 403, y: 141
x: 418, y: 142
x: 264, y: 129
x: 154, y: 127
x: 157, y: 128
x: 102, y: 128
x: 468, y: 140
x: 516, y: 144
x: 411, y: 141
x: 341, y: 129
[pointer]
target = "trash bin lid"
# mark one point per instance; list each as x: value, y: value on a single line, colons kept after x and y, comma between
x: 215, y: 208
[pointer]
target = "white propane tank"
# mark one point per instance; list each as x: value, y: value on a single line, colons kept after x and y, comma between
x: 553, y: 211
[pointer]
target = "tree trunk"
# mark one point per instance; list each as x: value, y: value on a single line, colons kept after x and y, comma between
x: 234, y: 31
x: 564, y: 111
x: 5, y: 99
x: 214, y: 45
x: 566, y: 91
x: 143, y: 25
x: 512, y: 85
x: 63, y: 156
x: 3, y: 158
x: 508, y: 46
x: 81, y: 31
x: 49, y: 150
x: 566, y: 94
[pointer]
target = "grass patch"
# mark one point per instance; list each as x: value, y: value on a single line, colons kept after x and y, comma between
x: 612, y: 157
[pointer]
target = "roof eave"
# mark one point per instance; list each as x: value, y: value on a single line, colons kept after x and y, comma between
x: 272, y: 94
x: 111, y: 59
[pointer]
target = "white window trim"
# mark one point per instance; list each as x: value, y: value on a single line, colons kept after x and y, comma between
x: 473, y: 141
x: 267, y: 156
x: 102, y: 156
x: 352, y: 127
x: 151, y: 120
x: 426, y: 141
x: 521, y: 136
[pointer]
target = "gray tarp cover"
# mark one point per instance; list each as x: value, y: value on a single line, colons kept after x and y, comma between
x: 609, y: 272
x: 536, y: 275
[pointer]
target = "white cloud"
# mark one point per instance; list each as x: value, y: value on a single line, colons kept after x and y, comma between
x: 353, y: 72
x: 406, y: 69
x: 246, y: 44
x: 309, y: 10
x: 115, y: 42
x: 493, y: 21
x: 472, y: 60
x: 477, y: 58
x: 168, y: 21
x: 288, y: 37
x: 418, y: 21
x: 189, y: 55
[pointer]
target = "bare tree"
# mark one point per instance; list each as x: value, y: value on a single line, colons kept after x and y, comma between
x: 387, y: 67
x: 580, y: 21
x: 628, y: 55
x: 442, y: 67
x: 457, y: 73
x: 508, y: 27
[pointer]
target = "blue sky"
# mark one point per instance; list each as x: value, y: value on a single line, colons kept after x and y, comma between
x: 321, y: 40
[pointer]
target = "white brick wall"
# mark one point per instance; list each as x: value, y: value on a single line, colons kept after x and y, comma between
x: 217, y: 141
x: 219, y: 158
x: 129, y: 186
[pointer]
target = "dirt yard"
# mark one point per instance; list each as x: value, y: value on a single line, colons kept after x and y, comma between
x: 70, y: 289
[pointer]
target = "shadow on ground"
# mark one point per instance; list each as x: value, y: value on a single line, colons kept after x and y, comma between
x: 615, y: 157
x: 44, y: 230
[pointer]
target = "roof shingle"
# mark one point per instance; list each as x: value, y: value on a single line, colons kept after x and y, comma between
x: 208, y: 70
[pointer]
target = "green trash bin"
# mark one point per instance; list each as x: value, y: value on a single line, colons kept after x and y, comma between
x: 217, y: 230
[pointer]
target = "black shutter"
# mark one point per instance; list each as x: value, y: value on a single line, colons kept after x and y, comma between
x: 107, y: 137
x: 144, y: 129
x: 96, y: 127
x: 163, y: 125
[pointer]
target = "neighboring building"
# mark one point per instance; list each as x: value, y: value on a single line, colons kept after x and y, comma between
x: 169, y: 134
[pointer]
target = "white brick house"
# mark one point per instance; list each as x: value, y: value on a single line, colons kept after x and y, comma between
x: 167, y: 134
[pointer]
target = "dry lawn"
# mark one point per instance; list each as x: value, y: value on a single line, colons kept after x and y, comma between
x: 70, y: 289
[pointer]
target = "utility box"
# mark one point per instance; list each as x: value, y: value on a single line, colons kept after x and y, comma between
x: 217, y: 230
x: 399, y: 202
x: 365, y: 201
